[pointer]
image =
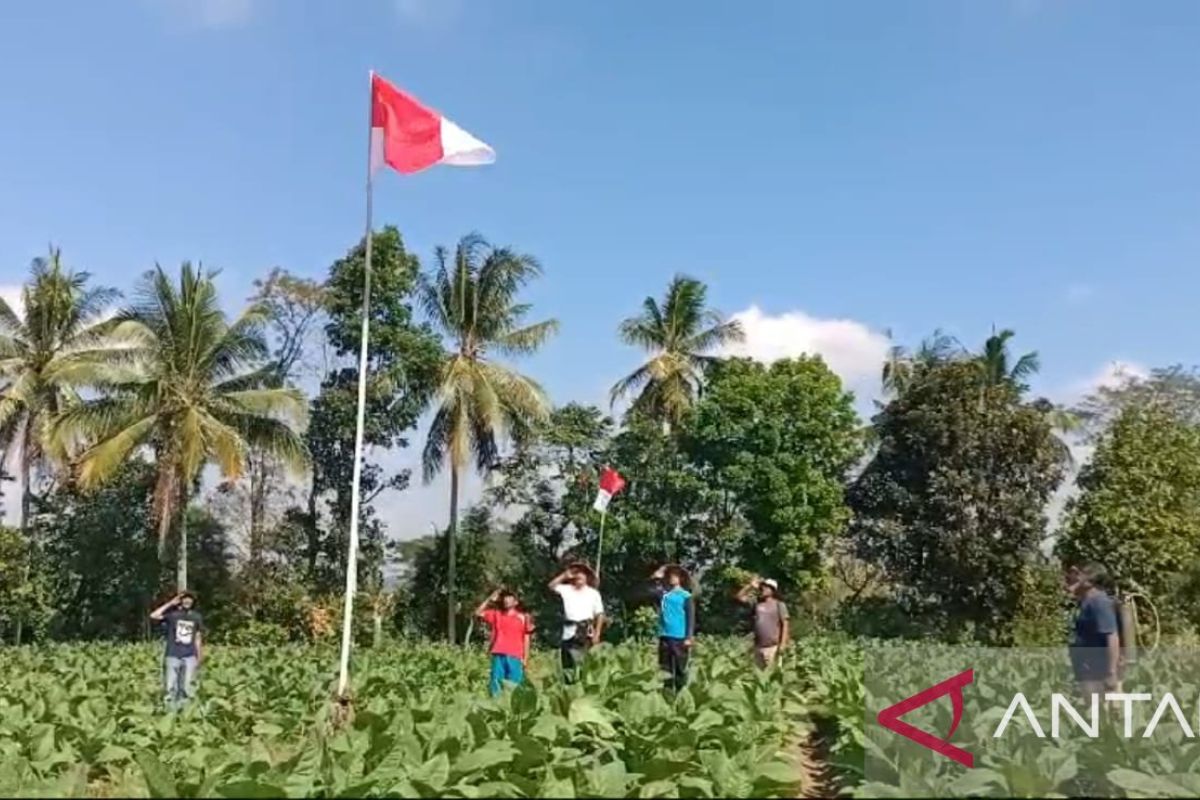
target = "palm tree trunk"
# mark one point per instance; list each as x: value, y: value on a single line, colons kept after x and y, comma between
x: 181, y: 572
x: 452, y: 533
x: 26, y: 531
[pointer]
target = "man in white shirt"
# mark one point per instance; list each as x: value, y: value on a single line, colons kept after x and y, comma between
x: 583, y: 614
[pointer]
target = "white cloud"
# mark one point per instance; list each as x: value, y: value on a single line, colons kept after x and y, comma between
x: 211, y: 13
x: 12, y: 295
x: 1111, y: 375
x: 851, y: 349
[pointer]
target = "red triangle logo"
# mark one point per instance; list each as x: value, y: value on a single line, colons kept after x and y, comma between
x: 890, y: 717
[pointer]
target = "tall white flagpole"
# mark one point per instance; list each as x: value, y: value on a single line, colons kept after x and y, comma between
x: 352, y: 549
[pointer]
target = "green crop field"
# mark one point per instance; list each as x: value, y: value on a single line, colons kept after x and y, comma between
x: 87, y: 721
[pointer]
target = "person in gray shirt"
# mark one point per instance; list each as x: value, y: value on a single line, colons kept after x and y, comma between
x: 771, y: 629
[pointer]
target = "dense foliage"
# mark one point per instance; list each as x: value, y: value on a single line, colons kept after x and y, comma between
x: 952, y: 503
x: 84, y: 720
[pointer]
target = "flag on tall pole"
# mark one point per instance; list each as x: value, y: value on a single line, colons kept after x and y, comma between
x: 611, y: 483
x: 407, y: 136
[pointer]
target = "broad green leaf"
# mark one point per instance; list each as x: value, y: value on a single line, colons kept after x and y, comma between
x: 158, y: 778
x: 663, y: 788
x: 557, y: 788
x: 777, y: 772
x: 434, y: 772
x: 609, y: 780
x: 497, y: 751
x: 249, y: 789
x: 585, y: 710
x: 41, y: 742
x: 1146, y: 785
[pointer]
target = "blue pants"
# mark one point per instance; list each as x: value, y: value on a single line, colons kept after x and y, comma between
x: 179, y: 677
x: 505, y: 668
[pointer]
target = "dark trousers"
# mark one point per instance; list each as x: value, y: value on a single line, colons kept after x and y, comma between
x: 673, y: 660
x: 573, y: 652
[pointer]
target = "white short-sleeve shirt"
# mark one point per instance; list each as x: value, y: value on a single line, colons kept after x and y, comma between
x: 580, y: 604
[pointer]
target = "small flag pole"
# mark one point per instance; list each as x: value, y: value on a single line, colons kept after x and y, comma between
x: 356, y: 479
x: 600, y: 548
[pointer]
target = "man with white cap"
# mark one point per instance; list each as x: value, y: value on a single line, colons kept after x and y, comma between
x: 771, y: 628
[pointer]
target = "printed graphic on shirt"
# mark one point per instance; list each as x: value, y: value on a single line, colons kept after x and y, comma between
x: 185, y: 631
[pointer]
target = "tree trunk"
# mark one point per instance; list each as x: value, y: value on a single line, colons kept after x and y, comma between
x: 451, y: 542
x: 259, y: 473
x: 166, y: 511
x: 26, y: 531
x: 313, y: 532
x: 181, y: 574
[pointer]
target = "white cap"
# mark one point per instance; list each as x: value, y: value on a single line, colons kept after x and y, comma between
x: 772, y: 583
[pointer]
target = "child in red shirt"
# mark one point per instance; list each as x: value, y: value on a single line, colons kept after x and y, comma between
x: 511, y: 630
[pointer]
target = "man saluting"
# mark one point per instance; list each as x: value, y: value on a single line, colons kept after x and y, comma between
x: 676, y: 624
x: 583, y: 613
x: 771, y: 627
x: 184, y: 629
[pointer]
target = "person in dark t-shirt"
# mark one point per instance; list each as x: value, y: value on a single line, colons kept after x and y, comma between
x: 184, y: 628
x: 772, y: 630
x: 1096, y: 645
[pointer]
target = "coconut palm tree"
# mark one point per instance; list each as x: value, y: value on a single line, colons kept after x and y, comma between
x: 471, y: 299
x: 995, y: 360
x: 900, y: 364
x: 681, y: 334
x: 57, y: 343
x: 197, y: 388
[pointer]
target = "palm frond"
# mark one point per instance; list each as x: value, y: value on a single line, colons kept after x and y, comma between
x: 105, y: 458
x: 630, y: 384
x: 527, y: 340
x: 720, y: 335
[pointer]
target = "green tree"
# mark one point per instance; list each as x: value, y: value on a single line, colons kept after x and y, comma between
x: 952, y: 504
x: 25, y: 604
x: 680, y: 334
x: 669, y: 512
x: 1175, y: 389
x: 1138, y: 510
x: 57, y: 345
x: 471, y: 298
x: 900, y: 364
x: 402, y: 361
x: 293, y: 309
x: 998, y: 366
x: 485, y: 561
x: 779, y: 441
x: 103, y: 570
x: 196, y: 391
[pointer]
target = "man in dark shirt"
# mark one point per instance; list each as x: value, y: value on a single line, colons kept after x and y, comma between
x: 1096, y: 645
x: 772, y: 630
x: 184, y: 628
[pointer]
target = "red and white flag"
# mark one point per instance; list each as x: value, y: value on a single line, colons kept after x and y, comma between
x: 611, y: 482
x: 410, y: 137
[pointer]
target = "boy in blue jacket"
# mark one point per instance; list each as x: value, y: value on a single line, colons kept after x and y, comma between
x: 676, y: 624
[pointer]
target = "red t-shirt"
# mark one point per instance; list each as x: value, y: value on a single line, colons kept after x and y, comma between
x: 508, y: 631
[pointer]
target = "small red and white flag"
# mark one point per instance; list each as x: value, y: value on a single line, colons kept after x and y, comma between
x: 410, y: 137
x: 611, y: 483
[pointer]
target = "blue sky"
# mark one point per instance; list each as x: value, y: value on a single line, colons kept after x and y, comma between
x: 831, y: 169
